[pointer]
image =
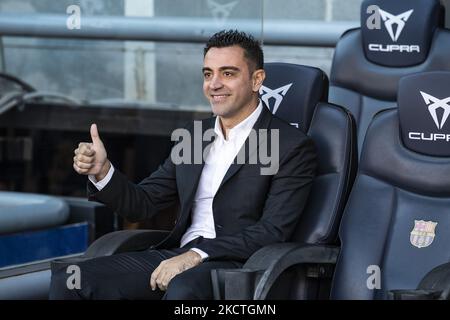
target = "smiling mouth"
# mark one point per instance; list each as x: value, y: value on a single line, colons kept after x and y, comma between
x: 219, y: 97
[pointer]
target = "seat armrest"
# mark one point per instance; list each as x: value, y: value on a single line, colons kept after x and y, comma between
x: 113, y: 243
x: 81, y: 209
x: 437, y: 279
x: 414, y: 294
x: 435, y: 285
x: 234, y: 284
x: 123, y: 241
x: 264, y: 267
x: 101, y: 219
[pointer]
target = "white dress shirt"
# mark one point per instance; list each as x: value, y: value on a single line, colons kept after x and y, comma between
x: 220, y: 157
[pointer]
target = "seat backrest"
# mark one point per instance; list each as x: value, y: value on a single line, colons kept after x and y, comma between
x: 298, y: 95
x: 292, y: 92
x: 397, y: 217
x: 401, y: 38
x: 334, y: 134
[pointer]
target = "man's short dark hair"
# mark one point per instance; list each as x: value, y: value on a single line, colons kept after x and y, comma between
x: 252, y: 49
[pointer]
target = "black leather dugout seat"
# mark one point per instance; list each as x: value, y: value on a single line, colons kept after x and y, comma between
x: 398, y: 213
x: 274, y: 271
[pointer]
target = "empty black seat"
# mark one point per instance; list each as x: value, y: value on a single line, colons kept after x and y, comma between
x: 402, y: 38
x: 394, y: 229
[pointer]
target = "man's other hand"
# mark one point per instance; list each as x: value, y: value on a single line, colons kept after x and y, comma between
x: 169, y: 268
x: 91, y: 158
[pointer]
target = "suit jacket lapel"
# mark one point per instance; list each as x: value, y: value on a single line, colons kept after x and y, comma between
x: 194, y: 170
x: 263, y: 122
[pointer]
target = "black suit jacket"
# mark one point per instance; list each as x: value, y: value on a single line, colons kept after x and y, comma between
x: 250, y: 210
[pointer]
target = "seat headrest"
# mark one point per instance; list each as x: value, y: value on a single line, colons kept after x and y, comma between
x: 424, y: 110
x: 292, y: 91
x: 399, y: 33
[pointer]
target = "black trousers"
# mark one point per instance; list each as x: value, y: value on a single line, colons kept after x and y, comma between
x: 127, y: 276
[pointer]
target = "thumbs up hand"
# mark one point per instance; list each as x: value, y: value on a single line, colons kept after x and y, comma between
x: 91, y: 158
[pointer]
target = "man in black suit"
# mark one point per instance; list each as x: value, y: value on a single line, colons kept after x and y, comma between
x: 230, y: 204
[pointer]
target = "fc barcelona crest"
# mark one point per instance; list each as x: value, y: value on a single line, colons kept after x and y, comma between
x: 423, y: 233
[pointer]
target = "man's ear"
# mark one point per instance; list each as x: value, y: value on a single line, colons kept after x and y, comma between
x: 257, y: 79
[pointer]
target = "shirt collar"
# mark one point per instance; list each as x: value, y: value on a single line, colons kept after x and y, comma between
x: 242, y: 127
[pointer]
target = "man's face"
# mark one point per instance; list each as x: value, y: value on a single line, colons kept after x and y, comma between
x: 228, y: 83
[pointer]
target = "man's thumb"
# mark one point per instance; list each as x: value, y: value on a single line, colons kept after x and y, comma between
x: 94, y: 134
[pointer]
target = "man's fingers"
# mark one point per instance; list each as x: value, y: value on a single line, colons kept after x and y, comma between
x: 83, y: 165
x: 83, y: 159
x: 169, y: 278
x: 89, y: 152
x: 84, y: 145
x: 162, y: 275
x: 152, y: 282
x: 167, y: 270
x: 86, y: 149
x: 161, y: 280
x: 80, y: 170
x: 153, y: 278
x: 94, y: 134
x: 164, y: 278
x: 162, y: 284
x: 159, y: 284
